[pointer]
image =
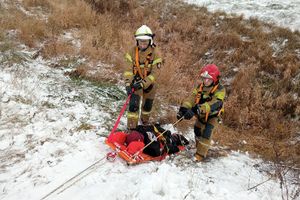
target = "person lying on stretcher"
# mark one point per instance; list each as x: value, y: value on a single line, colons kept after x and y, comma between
x: 135, y: 140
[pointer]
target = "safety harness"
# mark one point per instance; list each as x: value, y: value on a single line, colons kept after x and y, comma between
x: 211, y: 92
x: 137, y: 68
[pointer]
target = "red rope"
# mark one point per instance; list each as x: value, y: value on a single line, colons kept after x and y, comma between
x: 120, y: 115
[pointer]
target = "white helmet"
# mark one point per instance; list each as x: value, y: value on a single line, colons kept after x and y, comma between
x: 144, y: 33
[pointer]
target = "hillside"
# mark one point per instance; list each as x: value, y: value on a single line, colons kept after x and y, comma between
x: 82, y: 44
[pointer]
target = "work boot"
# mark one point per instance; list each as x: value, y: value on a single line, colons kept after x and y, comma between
x: 202, y: 146
x: 198, y: 158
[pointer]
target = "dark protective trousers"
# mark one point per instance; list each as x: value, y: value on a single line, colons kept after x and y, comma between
x: 147, y: 98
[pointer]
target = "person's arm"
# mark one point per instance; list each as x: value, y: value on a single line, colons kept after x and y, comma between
x: 128, y: 73
x: 185, y: 109
x: 189, y: 102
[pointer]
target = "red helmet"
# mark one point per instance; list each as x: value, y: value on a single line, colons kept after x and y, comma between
x: 210, y: 71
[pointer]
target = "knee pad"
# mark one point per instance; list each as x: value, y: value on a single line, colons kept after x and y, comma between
x: 148, y: 105
x: 134, y: 103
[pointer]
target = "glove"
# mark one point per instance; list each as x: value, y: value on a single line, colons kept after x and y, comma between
x: 181, y: 112
x: 189, y: 114
x: 128, y: 90
x: 137, y: 85
x: 186, y: 113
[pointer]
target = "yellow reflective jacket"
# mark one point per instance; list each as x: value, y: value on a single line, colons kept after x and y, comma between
x: 212, y: 97
x: 148, y: 63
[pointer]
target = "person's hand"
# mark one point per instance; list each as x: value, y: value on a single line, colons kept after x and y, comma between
x: 181, y: 112
x: 184, y: 112
x: 128, y: 90
x: 188, y: 114
x: 137, y: 85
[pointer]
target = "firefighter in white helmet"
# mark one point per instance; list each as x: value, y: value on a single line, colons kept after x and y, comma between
x: 141, y: 76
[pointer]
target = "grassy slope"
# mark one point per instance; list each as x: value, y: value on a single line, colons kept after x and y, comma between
x: 261, y: 75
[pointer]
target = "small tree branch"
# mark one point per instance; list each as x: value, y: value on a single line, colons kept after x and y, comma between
x: 260, y: 184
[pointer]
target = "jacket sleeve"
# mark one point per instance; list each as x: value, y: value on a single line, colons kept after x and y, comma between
x: 189, y: 102
x: 128, y: 73
x: 155, y: 70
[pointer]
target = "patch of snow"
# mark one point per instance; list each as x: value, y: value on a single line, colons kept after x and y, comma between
x: 72, y: 37
x: 34, y: 12
x: 236, y: 69
x: 4, y: 3
x: 295, y: 96
x: 278, y: 46
x: 282, y: 13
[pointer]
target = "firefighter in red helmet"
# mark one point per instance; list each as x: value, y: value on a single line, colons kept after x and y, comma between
x: 141, y: 76
x: 206, y: 103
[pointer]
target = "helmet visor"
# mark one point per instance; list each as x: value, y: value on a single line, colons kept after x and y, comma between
x: 205, y: 74
x: 206, y: 78
x: 143, y: 37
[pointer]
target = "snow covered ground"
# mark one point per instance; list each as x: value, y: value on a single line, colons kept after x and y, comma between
x: 283, y: 13
x: 52, y: 128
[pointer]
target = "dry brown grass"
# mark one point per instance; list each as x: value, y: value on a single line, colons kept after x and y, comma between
x: 56, y: 48
x: 260, y: 107
x: 37, y: 3
x: 72, y: 14
x: 30, y: 30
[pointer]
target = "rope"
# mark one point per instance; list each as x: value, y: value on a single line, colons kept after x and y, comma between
x: 92, y: 165
x: 86, y: 169
x: 121, y: 113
